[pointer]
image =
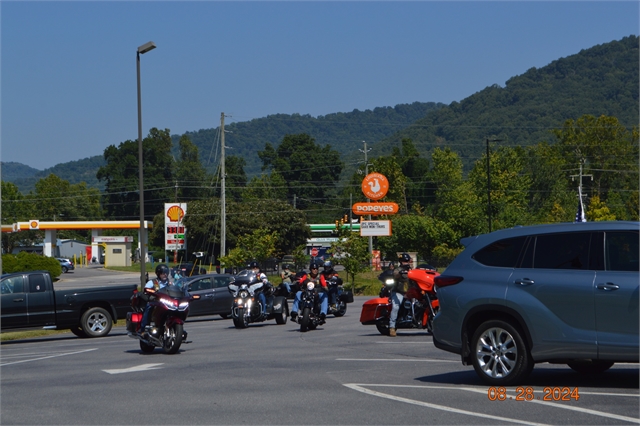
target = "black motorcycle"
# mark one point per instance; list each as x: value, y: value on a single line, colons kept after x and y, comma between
x: 170, y: 310
x: 247, y: 307
x: 309, y: 319
x: 342, y: 298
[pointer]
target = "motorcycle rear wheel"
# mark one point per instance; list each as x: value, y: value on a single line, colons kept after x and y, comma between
x: 306, y: 320
x: 172, y: 339
x: 241, y: 320
x: 383, y: 326
x: 147, y: 349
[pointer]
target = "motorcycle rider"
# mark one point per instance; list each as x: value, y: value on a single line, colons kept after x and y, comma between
x: 399, y: 289
x: 314, y: 277
x: 286, y: 275
x: 255, y: 268
x: 161, y: 280
x: 327, y: 274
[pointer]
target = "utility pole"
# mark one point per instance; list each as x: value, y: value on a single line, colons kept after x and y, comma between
x: 175, y: 251
x: 366, y: 172
x: 223, y: 173
x: 580, y: 176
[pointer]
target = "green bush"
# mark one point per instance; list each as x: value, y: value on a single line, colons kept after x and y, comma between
x: 24, y: 261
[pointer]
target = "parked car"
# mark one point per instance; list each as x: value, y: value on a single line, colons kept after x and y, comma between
x: 562, y: 293
x: 215, y: 298
x: 29, y: 300
x: 66, y: 264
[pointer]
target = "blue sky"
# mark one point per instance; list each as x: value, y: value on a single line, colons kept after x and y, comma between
x: 68, y: 69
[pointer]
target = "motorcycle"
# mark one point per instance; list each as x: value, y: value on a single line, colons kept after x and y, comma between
x: 419, y: 304
x: 170, y: 310
x: 309, y: 319
x: 342, y: 298
x: 247, y: 308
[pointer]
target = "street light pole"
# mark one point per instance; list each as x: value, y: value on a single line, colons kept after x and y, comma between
x: 143, y: 237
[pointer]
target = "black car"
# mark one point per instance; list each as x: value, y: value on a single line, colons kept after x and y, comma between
x: 213, y: 289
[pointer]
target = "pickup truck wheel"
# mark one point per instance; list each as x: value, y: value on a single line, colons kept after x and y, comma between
x: 78, y: 332
x: 96, y: 322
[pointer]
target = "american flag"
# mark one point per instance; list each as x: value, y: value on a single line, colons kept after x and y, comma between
x: 580, y: 214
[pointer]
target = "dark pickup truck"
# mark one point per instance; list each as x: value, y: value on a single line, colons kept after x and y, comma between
x: 30, y: 301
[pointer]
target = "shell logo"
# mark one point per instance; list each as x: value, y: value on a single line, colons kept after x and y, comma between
x: 34, y: 224
x: 375, y: 186
x: 175, y: 213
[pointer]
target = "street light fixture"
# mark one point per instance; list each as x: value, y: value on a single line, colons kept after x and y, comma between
x: 143, y: 238
x: 489, y: 181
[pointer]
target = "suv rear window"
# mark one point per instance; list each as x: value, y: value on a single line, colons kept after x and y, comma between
x: 622, y: 251
x: 503, y: 253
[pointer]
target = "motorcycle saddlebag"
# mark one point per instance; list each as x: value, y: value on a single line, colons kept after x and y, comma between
x: 347, y: 296
x: 133, y: 319
x: 374, y: 309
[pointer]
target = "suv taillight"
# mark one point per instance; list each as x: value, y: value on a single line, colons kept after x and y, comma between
x: 446, y: 280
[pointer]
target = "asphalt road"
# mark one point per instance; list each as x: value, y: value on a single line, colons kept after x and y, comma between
x: 343, y: 373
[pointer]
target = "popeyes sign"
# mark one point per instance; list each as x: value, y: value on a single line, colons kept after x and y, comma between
x: 375, y: 186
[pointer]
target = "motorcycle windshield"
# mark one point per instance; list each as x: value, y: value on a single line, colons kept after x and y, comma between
x: 173, y: 291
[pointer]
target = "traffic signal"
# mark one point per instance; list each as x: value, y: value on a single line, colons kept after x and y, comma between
x: 337, y: 223
x: 346, y: 218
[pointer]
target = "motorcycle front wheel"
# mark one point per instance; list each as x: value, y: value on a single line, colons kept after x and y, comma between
x: 383, y: 326
x: 341, y: 309
x: 172, y: 339
x: 306, y: 320
x: 241, y: 321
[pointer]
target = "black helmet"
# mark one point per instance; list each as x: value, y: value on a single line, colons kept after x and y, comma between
x: 327, y: 265
x: 404, y: 257
x: 313, y: 265
x: 253, y: 265
x: 162, y: 269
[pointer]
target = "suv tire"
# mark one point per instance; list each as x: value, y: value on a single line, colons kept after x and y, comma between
x: 499, y: 354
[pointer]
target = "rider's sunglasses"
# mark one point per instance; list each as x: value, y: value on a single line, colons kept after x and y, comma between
x: 314, y: 269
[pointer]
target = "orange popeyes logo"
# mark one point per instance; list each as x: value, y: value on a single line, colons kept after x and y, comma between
x: 374, y: 208
x: 375, y: 186
x: 175, y: 213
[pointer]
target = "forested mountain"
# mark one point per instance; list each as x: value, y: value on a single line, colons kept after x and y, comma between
x: 602, y: 80
x: 74, y: 172
x: 344, y: 131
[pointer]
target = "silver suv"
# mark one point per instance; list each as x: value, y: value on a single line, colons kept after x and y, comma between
x: 562, y: 293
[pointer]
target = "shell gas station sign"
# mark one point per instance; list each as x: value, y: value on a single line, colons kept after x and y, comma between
x: 174, y: 230
x: 375, y: 187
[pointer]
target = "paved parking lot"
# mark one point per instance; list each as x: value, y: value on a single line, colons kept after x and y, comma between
x: 342, y: 373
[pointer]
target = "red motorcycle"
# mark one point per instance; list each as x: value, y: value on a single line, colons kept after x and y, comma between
x: 170, y: 310
x: 419, y: 305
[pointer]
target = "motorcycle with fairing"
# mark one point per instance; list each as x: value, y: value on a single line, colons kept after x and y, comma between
x: 247, y: 307
x: 170, y: 306
x: 419, y: 304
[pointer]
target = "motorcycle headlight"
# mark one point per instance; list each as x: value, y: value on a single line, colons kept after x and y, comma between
x: 310, y: 286
x: 390, y: 281
x: 244, y: 294
x: 183, y: 305
x: 170, y: 303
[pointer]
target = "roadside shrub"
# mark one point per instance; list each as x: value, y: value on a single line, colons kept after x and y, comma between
x: 24, y: 261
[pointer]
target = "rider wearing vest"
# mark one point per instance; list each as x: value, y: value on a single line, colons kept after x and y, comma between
x: 162, y: 280
x: 321, y: 286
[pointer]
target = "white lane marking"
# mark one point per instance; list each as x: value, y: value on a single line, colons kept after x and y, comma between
x: 394, y: 360
x: 143, y: 367
x: 548, y: 403
x: 46, y: 357
x: 361, y: 388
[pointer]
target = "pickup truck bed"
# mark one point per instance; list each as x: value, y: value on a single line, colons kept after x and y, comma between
x: 29, y: 300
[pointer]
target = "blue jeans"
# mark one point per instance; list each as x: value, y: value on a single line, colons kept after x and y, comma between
x: 263, y: 300
x: 333, y: 294
x: 396, y: 300
x: 322, y: 297
x: 145, y: 316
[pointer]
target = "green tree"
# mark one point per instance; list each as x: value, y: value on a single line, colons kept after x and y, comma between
x: 260, y: 245
x: 598, y: 210
x: 15, y: 208
x: 416, y: 170
x: 311, y: 171
x: 266, y: 187
x: 120, y: 174
x: 191, y: 178
x: 352, y: 252
x: 236, y: 177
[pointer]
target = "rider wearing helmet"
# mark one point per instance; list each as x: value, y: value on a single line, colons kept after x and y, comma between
x: 314, y: 277
x: 328, y: 275
x: 161, y: 280
x: 399, y: 289
x: 255, y: 268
